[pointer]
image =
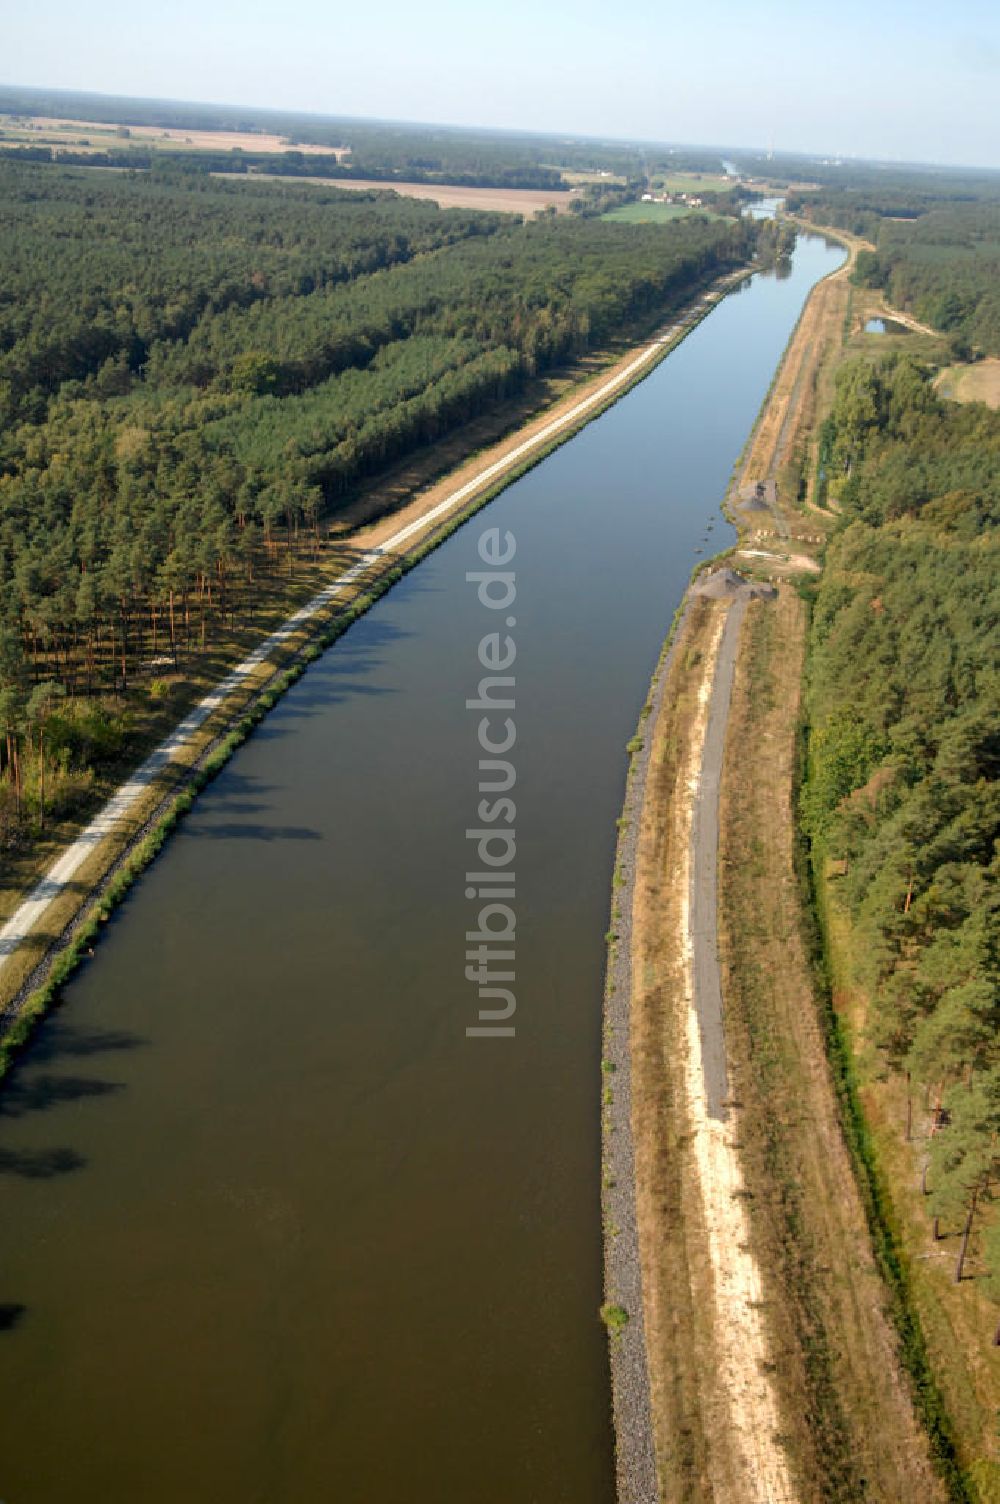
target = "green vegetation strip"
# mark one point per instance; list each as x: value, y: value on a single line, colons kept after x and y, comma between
x: 876, y: 1197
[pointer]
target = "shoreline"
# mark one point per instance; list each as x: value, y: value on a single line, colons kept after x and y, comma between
x: 635, y: 1456
x: 700, y: 1040
x: 144, y: 809
x: 642, y: 1241
x: 633, y: 1419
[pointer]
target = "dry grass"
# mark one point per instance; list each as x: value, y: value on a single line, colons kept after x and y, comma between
x: 972, y: 383
x: 693, y: 183
x: 850, y: 1425
x: 577, y: 179
x: 847, y: 1424
x: 781, y: 443
x: 909, y: 337
x: 526, y: 201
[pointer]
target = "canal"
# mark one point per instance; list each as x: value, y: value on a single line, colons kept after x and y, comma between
x: 273, y: 1229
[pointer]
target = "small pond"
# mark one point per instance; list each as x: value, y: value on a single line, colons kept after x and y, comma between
x: 885, y: 326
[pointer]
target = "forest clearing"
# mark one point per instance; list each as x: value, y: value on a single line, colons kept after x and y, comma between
x: 972, y: 383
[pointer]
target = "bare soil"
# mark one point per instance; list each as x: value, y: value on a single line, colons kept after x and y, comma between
x: 51, y: 130
x: 447, y: 195
x: 688, y: 1409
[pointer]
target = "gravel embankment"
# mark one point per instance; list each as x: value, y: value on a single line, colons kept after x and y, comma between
x: 635, y: 1458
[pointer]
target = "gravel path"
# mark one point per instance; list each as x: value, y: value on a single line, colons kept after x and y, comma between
x: 704, y: 872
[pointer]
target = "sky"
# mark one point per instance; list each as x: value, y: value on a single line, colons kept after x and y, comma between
x: 898, y: 79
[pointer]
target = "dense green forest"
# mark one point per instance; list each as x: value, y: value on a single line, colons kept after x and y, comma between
x: 194, y: 372
x: 865, y: 211
x: 904, y: 753
x: 479, y: 170
x: 878, y: 185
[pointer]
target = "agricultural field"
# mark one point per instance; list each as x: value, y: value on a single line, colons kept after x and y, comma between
x: 692, y: 182
x: 577, y: 179
x: 97, y: 136
x: 526, y: 201
x: 651, y: 214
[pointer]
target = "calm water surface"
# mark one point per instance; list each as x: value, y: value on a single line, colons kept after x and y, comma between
x: 272, y: 1230
x: 885, y: 326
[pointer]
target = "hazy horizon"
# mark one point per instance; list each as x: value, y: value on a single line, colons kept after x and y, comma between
x: 609, y: 138
x: 921, y: 88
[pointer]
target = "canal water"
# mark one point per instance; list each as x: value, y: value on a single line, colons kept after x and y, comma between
x: 273, y: 1229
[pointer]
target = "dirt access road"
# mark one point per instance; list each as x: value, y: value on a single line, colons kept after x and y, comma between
x: 759, y: 1467
x: 704, y: 923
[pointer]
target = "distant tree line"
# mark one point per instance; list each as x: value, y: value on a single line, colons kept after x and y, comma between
x: 875, y: 182
x: 383, y: 150
x: 293, y: 163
